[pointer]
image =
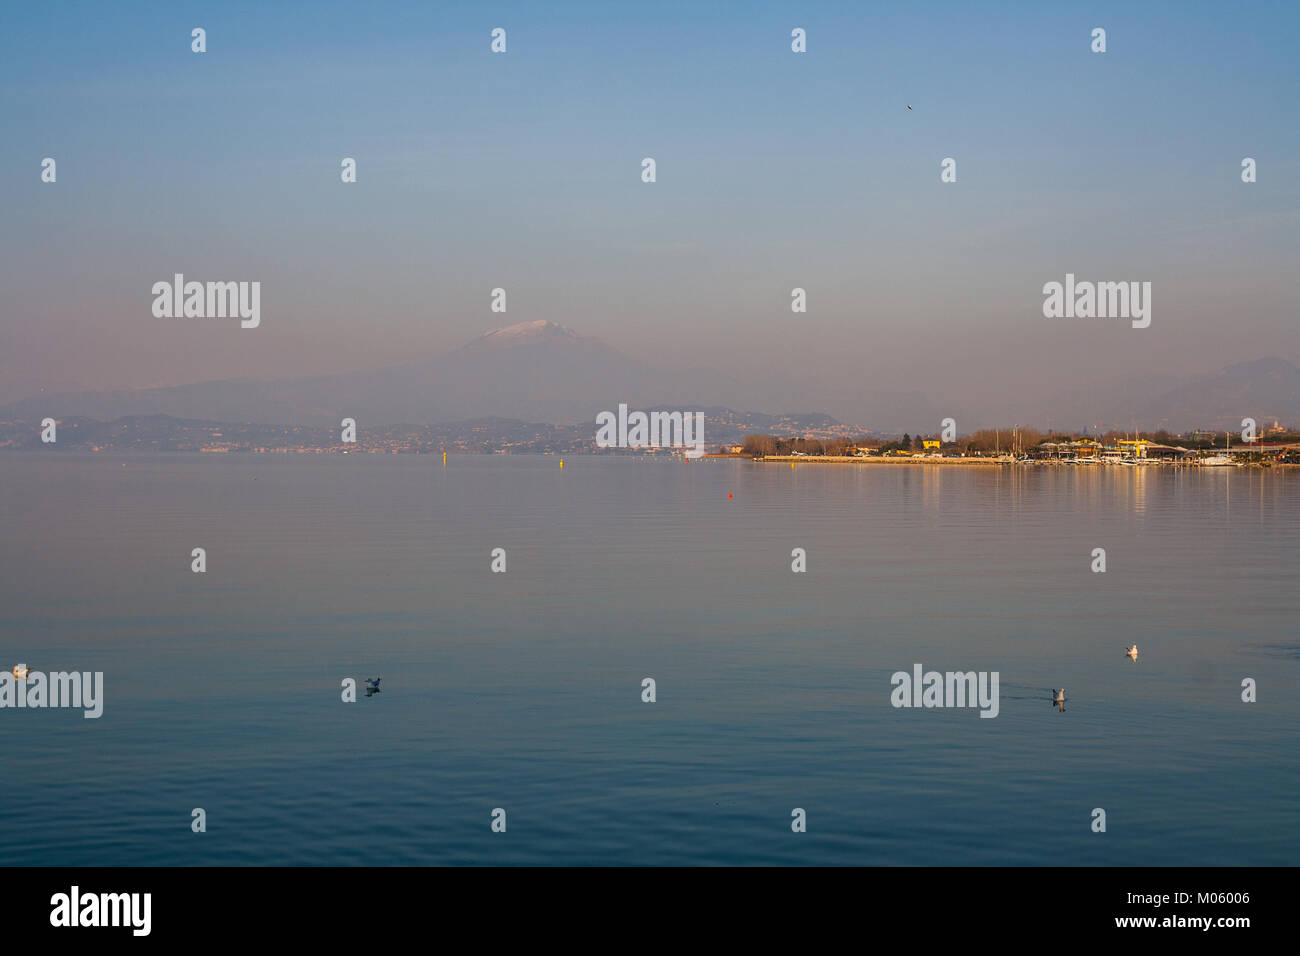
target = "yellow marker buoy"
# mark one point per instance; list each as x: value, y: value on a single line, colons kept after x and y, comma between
x: 444, y: 458
x: 561, y: 462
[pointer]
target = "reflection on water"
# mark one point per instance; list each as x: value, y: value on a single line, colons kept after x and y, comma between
x: 522, y: 690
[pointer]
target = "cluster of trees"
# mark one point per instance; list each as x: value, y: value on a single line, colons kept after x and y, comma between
x: 773, y: 445
x: 991, y: 441
x: 906, y: 443
x: 979, y: 442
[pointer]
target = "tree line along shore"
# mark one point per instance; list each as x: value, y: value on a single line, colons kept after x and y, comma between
x: 998, y: 446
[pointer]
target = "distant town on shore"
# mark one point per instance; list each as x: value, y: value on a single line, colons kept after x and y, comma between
x: 1277, y: 444
x: 728, y: 434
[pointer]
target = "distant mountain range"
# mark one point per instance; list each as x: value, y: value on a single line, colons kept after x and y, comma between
x: 536, y: 371
x: 1264, y: 389
x: 532, y: 372
x: 477, y: 436
x: 544, y: 372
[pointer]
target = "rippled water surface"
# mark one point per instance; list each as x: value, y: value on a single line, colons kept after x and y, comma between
x: 523, y: 690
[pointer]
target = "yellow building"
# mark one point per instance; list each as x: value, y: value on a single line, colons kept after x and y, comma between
x: 1137, y: 448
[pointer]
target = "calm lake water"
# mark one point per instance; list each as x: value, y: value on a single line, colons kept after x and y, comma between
x: 523, y: 690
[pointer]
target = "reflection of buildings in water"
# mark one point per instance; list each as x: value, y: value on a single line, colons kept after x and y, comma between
x: 930, y: 481
x: 1140, y: 478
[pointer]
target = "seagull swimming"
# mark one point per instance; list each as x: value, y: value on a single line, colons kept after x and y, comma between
x: 1058, y: 696
x: 1132, y: 652
x: 372, y: 686
x: 909, y: 106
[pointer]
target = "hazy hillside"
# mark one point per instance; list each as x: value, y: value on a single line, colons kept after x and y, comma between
x: 544, y: 372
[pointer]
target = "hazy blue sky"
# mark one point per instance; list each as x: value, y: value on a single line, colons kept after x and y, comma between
x: 775, y: 170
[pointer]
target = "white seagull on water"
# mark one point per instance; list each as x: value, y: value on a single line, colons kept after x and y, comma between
x: 1132, y: 652
x: 1058, y: 696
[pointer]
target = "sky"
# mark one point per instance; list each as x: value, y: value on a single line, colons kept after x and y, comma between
x: 774, y: 170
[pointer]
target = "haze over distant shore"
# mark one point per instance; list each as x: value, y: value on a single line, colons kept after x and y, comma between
x: 548, y: 373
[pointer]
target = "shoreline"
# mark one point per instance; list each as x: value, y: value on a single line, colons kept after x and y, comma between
x: 946, y: 462
x: 877, y: 460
